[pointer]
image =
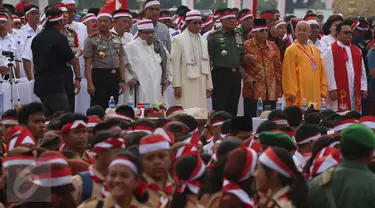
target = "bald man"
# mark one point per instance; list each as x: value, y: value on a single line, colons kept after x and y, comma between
x: 302, y: 75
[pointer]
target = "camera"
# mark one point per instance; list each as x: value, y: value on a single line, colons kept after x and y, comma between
x: 9, y: 55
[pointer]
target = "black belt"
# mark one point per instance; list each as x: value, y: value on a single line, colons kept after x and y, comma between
x: 233, y: 69
x: 112, y: 70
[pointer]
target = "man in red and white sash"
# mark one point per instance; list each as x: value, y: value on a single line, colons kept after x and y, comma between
x: 345, y: 72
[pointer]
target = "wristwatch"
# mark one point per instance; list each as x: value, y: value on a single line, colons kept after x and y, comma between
x: 78, y: 79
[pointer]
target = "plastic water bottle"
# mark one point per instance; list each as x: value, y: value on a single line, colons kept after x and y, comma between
x: 111, y: 102
x: 323, y: 105
x: 279, y: 104
x: 304, y: 104
x: 130, y: 101
x: 147, y: 102
x: 259, y: 107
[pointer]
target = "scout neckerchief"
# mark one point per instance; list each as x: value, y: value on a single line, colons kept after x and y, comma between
x: 167, y: 191
x: 94, y: 177
x: 311, y: 59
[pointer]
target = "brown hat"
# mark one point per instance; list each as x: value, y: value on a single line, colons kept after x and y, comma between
x: 49, y: 138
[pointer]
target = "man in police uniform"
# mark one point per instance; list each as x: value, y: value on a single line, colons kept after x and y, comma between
x: 351, y: 184
x: 225, y: 47
x: 104, y: 63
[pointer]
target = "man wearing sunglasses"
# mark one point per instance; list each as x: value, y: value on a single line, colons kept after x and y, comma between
x: 345, y: 71
x: 191, y: 65
x: 261, y: 70
x: 225, y: 47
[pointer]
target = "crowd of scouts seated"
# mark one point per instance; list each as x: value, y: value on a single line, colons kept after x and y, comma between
x: 293, y: 159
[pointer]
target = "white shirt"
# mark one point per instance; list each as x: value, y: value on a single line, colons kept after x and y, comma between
x: 328, y: 64
x: 300, y: 160
x: 81, y: 31
x: 206, y: 34
x: 29, y: 32
x: 27, y: 53
x: 328, y: 40
x: 211, y: 146
x: 320, y: 45
x: 126, y: 38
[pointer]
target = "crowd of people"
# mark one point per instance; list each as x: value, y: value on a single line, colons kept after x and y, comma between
x: 317, y: 152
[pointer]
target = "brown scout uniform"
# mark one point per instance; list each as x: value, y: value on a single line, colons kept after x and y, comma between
x: 211, y: 200
x: 110, y: 202
x: 155, y: 196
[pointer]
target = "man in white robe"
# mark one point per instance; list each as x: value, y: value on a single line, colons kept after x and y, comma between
x: 312, y: 20
x: 192, y: 81
x: 345, y: 72
x: 145, y: 71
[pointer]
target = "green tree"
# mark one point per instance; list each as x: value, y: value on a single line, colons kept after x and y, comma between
x: 267, y: 4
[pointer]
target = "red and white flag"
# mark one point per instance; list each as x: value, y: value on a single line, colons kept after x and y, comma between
x: 113, y: 5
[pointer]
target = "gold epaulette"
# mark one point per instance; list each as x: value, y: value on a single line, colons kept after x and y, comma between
x: 326, y: 177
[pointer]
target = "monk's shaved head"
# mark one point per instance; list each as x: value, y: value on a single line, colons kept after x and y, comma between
x: 303, y: 32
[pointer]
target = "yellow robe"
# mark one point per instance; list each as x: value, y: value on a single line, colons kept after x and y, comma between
x: 298, y: 77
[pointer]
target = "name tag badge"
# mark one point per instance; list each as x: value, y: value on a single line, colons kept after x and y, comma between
x: 113, y: 71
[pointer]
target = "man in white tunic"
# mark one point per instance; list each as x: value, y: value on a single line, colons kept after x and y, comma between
x: 150, y: 68
x: 312, y: 20
x: 122, y: 20
x: 345, y: 72
x: 192, y: 82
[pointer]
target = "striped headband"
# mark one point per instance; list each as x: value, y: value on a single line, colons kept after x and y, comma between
x: 16, y: 18
x: 104, y: 14
x: 193, y: 139
x: 168, y: 136
x: 208, y: 21
x: 250, y: 163
x: 279, y: 23
x: 16, y: 160
x: 236, y: 190
x: 25, y: 137
x: 263, y: 27
x: 122, y: 14
x: 111, y: 143
x: 54, y: 178
x: 93, y: 121
x: 152, y: 3
x: 3, y: 18
x: 145, y: 24
x: 312, y: 21
x: 153, y: 143
x: 228, y: 15
x: 31, y: 10
x: 50, y: 158
x: 309, y: 139
x: 124, y: 161
x: 124, y: 116
x: 217, y: 123
x: 165, y: 17
x: 9, y: 120
x: 344, y: 124
x: 245, y: 15
x: 143, y: 128
x: 77, y: 124
x: 328, y: 151
x: 193, y: 15
x: 271, y: 160
x: 88, y: 17
x: 186, y: 149
x: 368, y: 121
x: 322, y: 164
x: 55, y: 18
x: 277, y: 120
x: 268, y: 15
x: 192, y: 183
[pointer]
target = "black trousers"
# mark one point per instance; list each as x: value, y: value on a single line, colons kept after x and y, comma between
x: 227, y: 89
x: 250, y: 106
x: 70, y: 94
x: 54, y: 102
x: 106, y: 82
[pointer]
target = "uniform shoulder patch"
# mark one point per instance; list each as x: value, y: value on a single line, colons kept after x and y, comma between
x: 93, y: 35
x: 326, y: 177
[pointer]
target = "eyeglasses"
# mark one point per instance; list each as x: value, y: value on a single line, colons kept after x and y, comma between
x: 263, y: 30
x: 196, y: 23
x: 347, y: 32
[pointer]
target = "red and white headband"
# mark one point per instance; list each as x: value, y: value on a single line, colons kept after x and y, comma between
x: 328, y: 151
x: 271, y: 160
x: 92, y: 122
x: 111, y: 143
x: 250, y: 163
x: 193, y: 139
x: 228, y: 15
x: 16, y: 18
x: 77, y: 124
x: 88, y: 17
x: 193, y: 15
x: 153, y: 143
x: 152, y: 3
x: 143, y: 128
x: 192, y: 182
x: 145, y: 24
x: 245, y: 15
x: 55, y: 18
x: 208, y: 21
x: 9, y: 120
x: 277, y: 120
x: 168, y: 136
x: 369, y: 121
x: 52, y: 158
x: 54, y: 178
x: 280, y: 23
x: 186, y: 149
x: 3, y: 18
x: 309, y: 139
x: 31, y: 10
x: 104, y: 14
x: 264, y: 27
x: 123, y: 116
x: 322, y: 164
x: 25, y: 137
x: 122, y: 14
x: 16, y: 160
x: 165, y: 17
x: 217, y: 123
x: 312, y: 21
x: 344, y: 124
x: 124, y: 161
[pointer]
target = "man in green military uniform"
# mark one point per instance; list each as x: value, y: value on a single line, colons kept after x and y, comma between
x: 245, y: 18
x: 104, y: 63
x: 225, y: 47
x: 351, y: 184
